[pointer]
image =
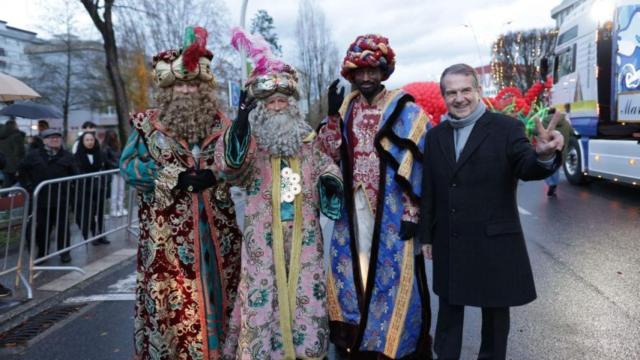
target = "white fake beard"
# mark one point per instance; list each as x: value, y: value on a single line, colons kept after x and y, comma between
x: 281, y: 133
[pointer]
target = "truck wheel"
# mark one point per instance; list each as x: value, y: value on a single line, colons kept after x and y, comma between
x: 572, y: 163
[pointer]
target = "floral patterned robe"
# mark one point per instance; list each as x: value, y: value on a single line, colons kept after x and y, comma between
x: 388, y: 315
x: 189, y: 248
x: 280, y: 310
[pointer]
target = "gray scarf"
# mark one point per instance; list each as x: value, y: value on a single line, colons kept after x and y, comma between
x: 51, y: 151
x: 462, y: 127
x: 472, y: 118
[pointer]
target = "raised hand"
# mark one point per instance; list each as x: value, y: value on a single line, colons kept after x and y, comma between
x: 549, y: 140
x: 335, y: 98
x: 247, y: 104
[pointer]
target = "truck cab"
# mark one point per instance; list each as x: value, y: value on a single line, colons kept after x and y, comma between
x: 596, y: 71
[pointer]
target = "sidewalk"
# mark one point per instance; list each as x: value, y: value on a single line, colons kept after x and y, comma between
x: 50, y: 286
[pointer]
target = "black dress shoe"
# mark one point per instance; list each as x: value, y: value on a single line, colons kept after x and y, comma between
x: 65, y: 258
x: 4, y: 292
x: 103, y: 240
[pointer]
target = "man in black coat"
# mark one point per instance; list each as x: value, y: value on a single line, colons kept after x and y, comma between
x: 46, y: 163
x: 469, y: 214
x: 12, y: 145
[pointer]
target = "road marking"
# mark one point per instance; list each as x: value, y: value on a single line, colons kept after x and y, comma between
x: 122, y: 290
x: 74, y: 278
x: 101, y: 297
x: 523, y: 211
x: 126, y: 285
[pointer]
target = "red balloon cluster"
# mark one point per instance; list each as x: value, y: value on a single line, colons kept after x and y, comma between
x: 521, y: 103
x: 427, y: 95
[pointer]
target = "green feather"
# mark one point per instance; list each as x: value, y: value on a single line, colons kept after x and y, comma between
x: 189, y: 37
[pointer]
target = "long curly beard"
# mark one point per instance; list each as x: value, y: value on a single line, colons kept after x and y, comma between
x: 281, y: 133
x: 189, y: 116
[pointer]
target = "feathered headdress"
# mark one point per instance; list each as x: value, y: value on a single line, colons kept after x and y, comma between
x: 269, y: 74
x: 191, y: 62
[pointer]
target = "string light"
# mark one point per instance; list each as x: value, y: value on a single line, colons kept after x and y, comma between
x: 531, y: 44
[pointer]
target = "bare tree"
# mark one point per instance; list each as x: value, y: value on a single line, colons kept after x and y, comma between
x: 66, y: 69
x: 148, y: 27
x: 318, y: 58
x: 69, y: 72
x: 517, y: 55
x: 104, y: 23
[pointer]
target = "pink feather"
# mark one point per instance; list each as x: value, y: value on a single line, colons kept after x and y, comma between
x: 258, y: 49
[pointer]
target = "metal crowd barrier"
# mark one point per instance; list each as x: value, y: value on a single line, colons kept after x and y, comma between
x: 14, y: 203
x: 81, y: 200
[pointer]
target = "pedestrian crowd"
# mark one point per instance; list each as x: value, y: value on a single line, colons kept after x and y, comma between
x: 45, y: 157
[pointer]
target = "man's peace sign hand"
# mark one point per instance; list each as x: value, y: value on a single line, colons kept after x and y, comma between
x: 549, y: 139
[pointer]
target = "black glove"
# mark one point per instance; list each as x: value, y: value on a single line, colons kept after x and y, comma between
x: 332, y: 186
x: 195, y: 180
x: 241, y: 125
x: 206, y: 177
x: 335, y: 98
x: 408, y: 230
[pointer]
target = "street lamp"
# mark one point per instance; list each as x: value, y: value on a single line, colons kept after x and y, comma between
x: 243, y: 54
x: 478, y: 49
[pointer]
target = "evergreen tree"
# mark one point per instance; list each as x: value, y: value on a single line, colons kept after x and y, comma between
x: 262, y: 23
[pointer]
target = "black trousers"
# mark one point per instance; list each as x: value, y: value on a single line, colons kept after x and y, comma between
x: 58, y: 218
x: 90, y: 216
x: 448, y: 339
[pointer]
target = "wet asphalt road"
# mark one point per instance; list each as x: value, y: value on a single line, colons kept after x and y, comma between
x: 584, y: 247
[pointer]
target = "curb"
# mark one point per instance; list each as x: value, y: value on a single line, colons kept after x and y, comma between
x: 65, y: 286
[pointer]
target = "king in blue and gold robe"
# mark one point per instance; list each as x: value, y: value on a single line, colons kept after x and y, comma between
x: 377, y: 290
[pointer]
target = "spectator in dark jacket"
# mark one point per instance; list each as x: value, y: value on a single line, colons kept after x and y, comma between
x: 36, y: 141
x: 91, y: 192
x: 87, y: 126
x: 46, y: 163
x: 12, y: 145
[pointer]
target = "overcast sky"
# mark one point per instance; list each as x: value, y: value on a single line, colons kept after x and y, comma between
x: 427, y: 35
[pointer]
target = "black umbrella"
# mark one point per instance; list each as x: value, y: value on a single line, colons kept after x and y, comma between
x: 31, y: 111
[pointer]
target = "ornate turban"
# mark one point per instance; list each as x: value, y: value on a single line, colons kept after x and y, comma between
x: 269, y: 75
x: 191, y: 62
x: 369, y: 51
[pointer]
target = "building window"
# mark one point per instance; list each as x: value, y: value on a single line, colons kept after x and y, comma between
x: 2, y: 53
x: 3, y: 64
x: 568, y: 35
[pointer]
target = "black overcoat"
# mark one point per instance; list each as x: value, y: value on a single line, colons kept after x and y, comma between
x: 470, y: 215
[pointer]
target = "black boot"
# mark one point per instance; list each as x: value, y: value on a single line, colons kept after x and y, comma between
x: 103, y: 240
x: 4, y: 292
x: 552, y: 190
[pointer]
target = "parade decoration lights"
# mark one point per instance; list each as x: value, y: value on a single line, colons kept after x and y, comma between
x: 525, y: 108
